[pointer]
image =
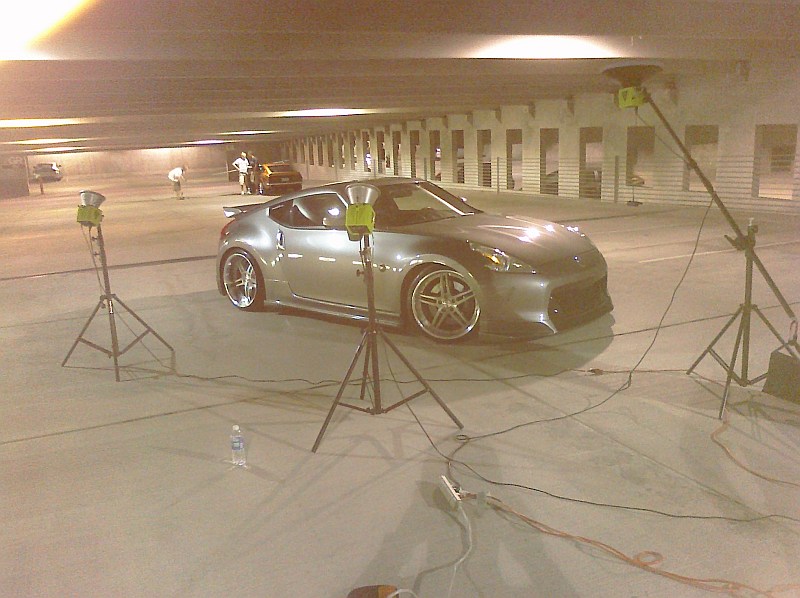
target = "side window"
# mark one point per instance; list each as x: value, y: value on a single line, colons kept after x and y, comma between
x: 282, y: 213
x: 311, y: 211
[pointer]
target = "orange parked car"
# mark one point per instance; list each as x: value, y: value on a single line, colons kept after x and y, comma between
x: 278, y: 178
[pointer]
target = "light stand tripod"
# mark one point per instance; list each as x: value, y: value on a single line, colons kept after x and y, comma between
x: 369, y: 341
x: 90, y: 218
x: 746, y: 309
x: 634, y: 95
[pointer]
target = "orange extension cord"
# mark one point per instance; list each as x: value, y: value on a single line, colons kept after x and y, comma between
x: 647, y: 560
x: 714, y: 437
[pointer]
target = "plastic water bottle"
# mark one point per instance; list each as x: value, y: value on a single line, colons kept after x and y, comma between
x: 238, y: 453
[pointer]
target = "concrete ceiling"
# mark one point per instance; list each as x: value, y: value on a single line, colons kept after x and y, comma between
x: 144, y: 73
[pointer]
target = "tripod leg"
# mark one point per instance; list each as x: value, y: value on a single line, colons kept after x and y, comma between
x: 361, y: 346
x: 80, y: 336
x: 731, y: 368
x: 710, y: 347
x: 775, y: 333
x: 422, y: 380
x: 365, y: 371
x: 372, y: 347
x: 143, y: 323
x: 114, y: 339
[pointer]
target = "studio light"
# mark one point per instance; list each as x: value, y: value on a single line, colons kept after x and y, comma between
x: 360, y: 223
x: 90, y: 216
x: 89, y: 213
x: 359, y: 219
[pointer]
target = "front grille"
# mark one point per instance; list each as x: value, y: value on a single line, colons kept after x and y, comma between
x: 574, y: 304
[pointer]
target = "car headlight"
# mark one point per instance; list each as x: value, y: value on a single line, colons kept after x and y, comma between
x: 500, y: 261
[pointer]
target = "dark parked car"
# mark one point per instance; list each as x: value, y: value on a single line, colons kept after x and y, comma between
x: 590, y: 182
x: 279, y: 177
x: 549, y: 184
x: 47, y: 171
x: 441, y: 265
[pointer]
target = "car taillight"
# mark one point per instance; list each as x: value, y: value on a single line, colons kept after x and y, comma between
x: 224, y: 230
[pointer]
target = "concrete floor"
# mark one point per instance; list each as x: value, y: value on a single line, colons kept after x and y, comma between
x: 122, y: 489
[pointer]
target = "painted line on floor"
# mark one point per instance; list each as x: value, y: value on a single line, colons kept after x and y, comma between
x: 685, y: 255
x: 176, y: 260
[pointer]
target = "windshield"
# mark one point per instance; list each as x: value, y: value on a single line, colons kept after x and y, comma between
x: 403, y: 204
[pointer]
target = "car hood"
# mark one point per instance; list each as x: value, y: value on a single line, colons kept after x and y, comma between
x: 532, y: 240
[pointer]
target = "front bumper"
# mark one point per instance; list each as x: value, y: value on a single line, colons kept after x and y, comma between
x: 534, y: 306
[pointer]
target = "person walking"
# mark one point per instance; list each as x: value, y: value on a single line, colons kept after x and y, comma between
x: 242, y: 165
x: 177, y: 176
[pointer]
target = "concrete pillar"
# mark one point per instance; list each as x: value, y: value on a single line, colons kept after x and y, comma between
x: 569, y: 151
x: 471, y: 156
x: 736, y: 177
x: 13, y: 176
x: 614, y: 148
x: 446, y: 139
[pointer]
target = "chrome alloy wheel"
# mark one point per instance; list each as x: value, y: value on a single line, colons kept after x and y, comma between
x: 444, y: 306
x: 242, y: 280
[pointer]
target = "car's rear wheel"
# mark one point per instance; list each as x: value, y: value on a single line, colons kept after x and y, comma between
x: 242, y: 279
x: 443, y: 306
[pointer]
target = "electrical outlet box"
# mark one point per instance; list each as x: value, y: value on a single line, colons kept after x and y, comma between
x: 450, y: 492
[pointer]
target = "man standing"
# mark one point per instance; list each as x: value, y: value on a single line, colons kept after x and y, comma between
x: 254, y: 175
x: 242, y: 165
x: 177, y: 176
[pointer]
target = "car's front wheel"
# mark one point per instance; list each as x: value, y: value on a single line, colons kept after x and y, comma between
x: 242, y: 280
x: 443, y: 306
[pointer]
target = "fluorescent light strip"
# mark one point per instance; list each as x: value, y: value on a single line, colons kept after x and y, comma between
x: 41, y: 141
x: 546, y: 47
x: 247, y: 132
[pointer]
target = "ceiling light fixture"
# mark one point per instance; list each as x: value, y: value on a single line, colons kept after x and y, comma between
x: 32, y: 123
x: 24, y: 24
x: 207, y: 142
x: 247, y: 132
x: 323, y: 112
x: 544, y: 47
x: 49, y: 141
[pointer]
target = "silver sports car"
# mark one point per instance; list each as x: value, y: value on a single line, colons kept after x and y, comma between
x: 439, y: 265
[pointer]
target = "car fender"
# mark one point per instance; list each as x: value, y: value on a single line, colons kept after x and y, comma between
x: 431, y: 259
x: 227, y: 247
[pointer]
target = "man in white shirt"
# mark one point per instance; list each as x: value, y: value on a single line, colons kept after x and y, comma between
x: 177, y: 176
x: 241, y: 165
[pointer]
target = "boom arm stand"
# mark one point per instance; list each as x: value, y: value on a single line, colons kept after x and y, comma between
x: 744, y: 243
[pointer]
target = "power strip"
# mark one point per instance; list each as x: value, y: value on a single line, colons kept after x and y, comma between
x: 450, y: 492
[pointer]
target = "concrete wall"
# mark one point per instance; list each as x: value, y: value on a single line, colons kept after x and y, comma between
x: 736, y: 102
x: 138, y: 162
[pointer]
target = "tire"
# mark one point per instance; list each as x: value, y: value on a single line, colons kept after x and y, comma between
x: 443, y: 306
x: 242, y: 280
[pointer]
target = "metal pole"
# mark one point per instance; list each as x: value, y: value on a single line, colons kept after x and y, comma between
x: 109, y: 299
x: 740, y: 236
x: 748, y: 298
x: 372, y: 324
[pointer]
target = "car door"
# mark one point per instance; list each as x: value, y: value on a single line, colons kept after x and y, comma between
x: 321, y: 262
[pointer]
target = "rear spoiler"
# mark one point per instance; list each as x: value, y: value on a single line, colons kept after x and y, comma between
x: 231, y: 211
